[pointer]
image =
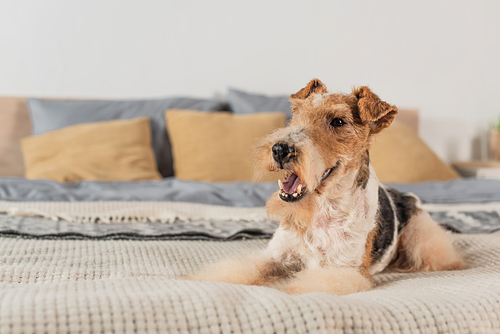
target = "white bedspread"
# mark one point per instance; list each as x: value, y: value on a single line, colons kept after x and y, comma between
x: 56, y: 286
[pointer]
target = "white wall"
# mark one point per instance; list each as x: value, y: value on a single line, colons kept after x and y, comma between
x: 441, y: 57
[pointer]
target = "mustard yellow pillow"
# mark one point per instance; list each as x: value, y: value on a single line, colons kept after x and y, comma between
x: 399, y: 155
x: 106, y: 151
x: 217, y: 146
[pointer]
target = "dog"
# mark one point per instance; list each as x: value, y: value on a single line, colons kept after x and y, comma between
x: 338, y: 224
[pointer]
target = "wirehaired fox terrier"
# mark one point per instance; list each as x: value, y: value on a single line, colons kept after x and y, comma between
x: 338, y: 224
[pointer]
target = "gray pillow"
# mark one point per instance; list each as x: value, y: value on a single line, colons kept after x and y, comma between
x: 240, y: 102
x: 48, y: 115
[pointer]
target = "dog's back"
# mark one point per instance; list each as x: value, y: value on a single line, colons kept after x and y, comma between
x: 407, y: 238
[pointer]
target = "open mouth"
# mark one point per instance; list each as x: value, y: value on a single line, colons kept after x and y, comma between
x: 293, y: 189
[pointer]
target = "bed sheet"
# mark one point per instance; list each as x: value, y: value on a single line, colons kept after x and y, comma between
x: 240, y: 194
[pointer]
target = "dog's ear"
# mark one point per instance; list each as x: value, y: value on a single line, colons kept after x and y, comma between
x: 373, y: 111
x: 313, y: 87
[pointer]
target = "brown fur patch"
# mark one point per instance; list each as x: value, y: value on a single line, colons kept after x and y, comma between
x: 367, y: 258
x: 290, y: 263
x: 296, y: 217
x: 364, y: 171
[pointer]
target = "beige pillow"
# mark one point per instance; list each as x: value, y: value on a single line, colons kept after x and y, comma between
x: 399, y: 155
x: 217, y: 146
x: 106, y: 151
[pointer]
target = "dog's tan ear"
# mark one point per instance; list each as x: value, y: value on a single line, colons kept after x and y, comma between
x: 372, y: 110
x: 314, y: 86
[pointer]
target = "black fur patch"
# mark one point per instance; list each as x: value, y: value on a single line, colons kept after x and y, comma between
x: 385, y: 225
x: 405, y: 207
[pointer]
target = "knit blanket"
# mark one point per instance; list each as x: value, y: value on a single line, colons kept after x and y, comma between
x: 104, y: 286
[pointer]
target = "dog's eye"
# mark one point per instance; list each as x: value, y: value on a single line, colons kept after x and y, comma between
x: 337, y: 122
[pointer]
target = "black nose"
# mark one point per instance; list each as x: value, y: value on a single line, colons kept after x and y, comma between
x: 282, y: 153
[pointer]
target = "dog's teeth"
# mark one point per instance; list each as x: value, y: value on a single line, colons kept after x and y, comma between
x: 299, y: 189
x: 280, y: 184
x: 286, y: 195
x: 295, y: 194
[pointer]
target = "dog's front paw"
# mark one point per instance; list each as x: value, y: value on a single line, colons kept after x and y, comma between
x: 247, y: 269
x: 204, y: 275
x: 229, y: 271
x: 302, y: 287
x: 335, y: 281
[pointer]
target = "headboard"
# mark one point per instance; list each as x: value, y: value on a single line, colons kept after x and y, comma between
x: 15, y: 124
x: 409, y: 117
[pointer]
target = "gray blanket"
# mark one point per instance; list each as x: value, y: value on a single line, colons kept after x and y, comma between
x: 240, y: 194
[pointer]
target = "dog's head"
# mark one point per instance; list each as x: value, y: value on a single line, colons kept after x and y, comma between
x: 328, y: 136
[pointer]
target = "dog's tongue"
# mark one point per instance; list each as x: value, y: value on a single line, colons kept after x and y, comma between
x: 291, y: 184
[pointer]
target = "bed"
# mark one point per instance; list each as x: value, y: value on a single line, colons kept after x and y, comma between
x: 109, y: 256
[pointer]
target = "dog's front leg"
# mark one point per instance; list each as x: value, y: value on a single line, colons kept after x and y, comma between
x: 249, y: 269
x: 336, y: 281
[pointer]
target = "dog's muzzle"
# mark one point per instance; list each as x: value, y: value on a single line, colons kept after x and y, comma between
x: 282, y: 153
x: 291, y: 189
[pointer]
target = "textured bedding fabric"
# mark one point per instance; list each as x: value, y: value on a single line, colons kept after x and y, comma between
x: 125, y: 286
